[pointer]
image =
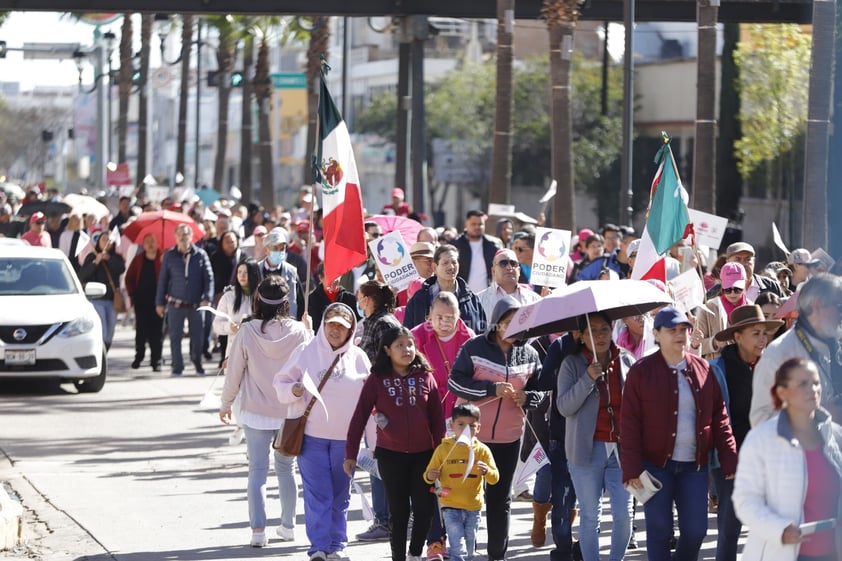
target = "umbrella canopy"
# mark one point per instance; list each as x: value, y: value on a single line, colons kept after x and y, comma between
x: 50, y: 208
x: 85, y: 204
x: 13, y: 190
x: 559, y: 311
x: 162, y: 225
x: 208, y: 196
x: 406, y: 226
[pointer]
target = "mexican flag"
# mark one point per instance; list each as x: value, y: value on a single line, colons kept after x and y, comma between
x: 342, y: 203
x: 667, y: 219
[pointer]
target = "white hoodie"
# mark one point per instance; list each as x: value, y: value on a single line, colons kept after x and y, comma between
x: 340, y: 392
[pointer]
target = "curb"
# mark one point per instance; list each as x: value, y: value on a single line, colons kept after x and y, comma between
x: 11, y: 518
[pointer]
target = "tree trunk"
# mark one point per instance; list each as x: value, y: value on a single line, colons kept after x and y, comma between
x: 501, y: 157
x: 225, y: 54
x: 246, y: 126
x: 561, y: 46
x: 263, y: 93
x: 143, y: 110
x: 186, y: 47
x: 704, y: 160
x: 124, y: 87
x: 728, y: 180
x: 318, y: 47
x: 818, y: 126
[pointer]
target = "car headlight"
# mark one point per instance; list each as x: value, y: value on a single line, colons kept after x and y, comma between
x: 77, y: 327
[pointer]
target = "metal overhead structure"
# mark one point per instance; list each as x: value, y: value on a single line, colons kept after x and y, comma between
x: 737, y: 11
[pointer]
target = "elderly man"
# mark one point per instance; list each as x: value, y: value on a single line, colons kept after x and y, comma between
x: 505, y: 270
x: 476, y: 252
x: 37, y: 234
x: 276, y: 246
x: 815, y: 335
x: 743, y: 253
x: 185, y: 284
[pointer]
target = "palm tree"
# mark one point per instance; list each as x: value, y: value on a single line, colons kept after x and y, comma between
x: 319, y: 36
x: 501, y: 157
x: 146, y: 21
x: 246, y: 126
x: 561, y: 17
x: 263, y: 95
x: 124, y: 85
x: 186, y: 47
x: 226, y: 53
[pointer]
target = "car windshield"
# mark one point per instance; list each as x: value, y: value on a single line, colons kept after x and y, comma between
x: 31, y: 277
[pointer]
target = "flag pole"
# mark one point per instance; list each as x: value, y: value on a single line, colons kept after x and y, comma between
x: 316, y: 184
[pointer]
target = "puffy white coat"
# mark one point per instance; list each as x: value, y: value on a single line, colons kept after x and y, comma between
x: 771, y: 485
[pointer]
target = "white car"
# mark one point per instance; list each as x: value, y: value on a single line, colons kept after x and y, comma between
x: 48, y: 327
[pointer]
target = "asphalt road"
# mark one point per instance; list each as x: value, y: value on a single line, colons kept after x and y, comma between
x: 139, y: 472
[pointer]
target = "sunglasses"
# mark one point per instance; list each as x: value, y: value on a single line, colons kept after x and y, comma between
x: 732, y: 290
x: 507, y: 263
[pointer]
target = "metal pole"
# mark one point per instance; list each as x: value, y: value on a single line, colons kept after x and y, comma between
x: 99, y: 168
x: 627, y: 190
x: 402, y: 127
x: 346, y: 48
x: 418, y: 148
x: 198, y: 96
x: 110, y: 113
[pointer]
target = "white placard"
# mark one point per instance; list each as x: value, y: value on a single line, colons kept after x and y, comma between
x: 688, y: 290
x: 550, y: 258
x: 393, y: 259
x: 495, y: 209
x: 709, y: 228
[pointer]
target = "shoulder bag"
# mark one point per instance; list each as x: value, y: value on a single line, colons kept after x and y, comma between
x: 119, y: 301
x: 290, y: 438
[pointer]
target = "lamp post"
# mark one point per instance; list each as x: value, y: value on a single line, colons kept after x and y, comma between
x: 79, y: 57
x: 110, y: 38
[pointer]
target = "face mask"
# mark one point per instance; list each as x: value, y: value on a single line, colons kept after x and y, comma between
x: 277, y: 257
x: 360, y: 311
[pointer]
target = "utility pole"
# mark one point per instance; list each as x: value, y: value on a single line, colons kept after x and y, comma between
x: 704, y: 160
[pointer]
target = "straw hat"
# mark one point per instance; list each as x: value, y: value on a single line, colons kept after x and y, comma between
x: 745, y: 316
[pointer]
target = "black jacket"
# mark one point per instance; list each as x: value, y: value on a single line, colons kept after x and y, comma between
x: 490, y: 246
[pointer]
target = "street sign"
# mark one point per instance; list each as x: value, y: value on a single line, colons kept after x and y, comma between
x: 289, y: 80
x: 49, y: 51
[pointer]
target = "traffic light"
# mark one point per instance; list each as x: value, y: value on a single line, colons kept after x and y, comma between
x: 136, y: 77
x: 236, y: 79
x: 2, y: 49
x: 47, y: 135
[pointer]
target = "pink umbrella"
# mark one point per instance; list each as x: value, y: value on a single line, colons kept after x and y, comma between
x: 560, y: 311
x: 406, y: 226
x: 161, y: 224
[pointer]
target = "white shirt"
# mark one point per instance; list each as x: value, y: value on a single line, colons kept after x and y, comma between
x: 478, y: 275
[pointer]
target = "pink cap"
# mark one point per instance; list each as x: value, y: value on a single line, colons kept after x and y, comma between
x: 733, y: 275
x: 398, y: 192
x: 259, y: 231
x: 37, y: 217
x: 584, y: 234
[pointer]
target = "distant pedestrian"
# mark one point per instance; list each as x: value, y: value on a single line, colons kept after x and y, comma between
x: 104, y: 265
x: 142, y: 285
x: 236, y: 302
x: 37, y: 234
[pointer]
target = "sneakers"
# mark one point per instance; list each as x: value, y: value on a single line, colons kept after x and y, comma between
x: 258, y: 539
x: 435, y: 551
x: 336, y: 556
x: 376, y: 533
x: 414, y: 558
x: 318, y: 556
x: 286, y: 534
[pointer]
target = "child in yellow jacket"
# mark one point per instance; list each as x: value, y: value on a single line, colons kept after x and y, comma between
x: 458, y: 467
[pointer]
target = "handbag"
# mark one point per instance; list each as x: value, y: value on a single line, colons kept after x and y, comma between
x: 119, y: 301
x: 290, y: 438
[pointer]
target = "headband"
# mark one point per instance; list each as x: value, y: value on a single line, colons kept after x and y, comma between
x: 269, y: 301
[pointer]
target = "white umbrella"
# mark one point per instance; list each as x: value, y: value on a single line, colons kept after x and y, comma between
x: 561, y: 310
x: 85, y: 204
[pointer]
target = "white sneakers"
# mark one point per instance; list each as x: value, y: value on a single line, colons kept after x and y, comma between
x: 258, y: 539
x: 286, y: 534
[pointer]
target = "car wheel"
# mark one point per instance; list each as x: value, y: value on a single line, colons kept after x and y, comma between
x: 95, y: 384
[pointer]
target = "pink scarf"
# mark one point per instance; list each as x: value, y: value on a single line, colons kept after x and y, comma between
x: 729, y: 307
x: 626, y: 341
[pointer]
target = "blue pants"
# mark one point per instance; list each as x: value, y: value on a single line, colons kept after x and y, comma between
x: 175, y: 325
x: 327, y: 493
x: 563, y: 498
x: 688, y: 487
x: 461, y: 526
x: 258, y: 447
x: 105, y: 309
x: 601, y: 474
x: 728, y: 526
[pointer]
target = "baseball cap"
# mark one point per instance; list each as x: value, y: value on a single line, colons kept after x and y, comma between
x: 584, y: 234
x: 739, y: 247
x: 634, y: 246
x: 37, y: 217
x: 801, y: 256
x: 276, y: 236
x: 340, y: 319
x: 398, y: 192
x: 422, y: 249
x: 259, y: 231
x: 733, y: 275
x: 670, y: 317
x: 302, y: 226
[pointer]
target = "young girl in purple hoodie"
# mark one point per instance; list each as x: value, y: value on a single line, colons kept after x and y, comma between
x: 410, y: 424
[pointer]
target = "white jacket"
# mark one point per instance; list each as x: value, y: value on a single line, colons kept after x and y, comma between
x: 340, y: 393
x: 771, y: 485
x: 222, y: 326
x: 779, y: 351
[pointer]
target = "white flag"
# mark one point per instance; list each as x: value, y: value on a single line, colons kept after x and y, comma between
x: 466, y: 439
x: 311, y: 387
x: 536, y: 460
x: 368, y: 513
x: 550, y: 192
x: 776, y: 237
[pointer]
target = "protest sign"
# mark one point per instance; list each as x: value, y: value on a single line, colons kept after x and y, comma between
x: 550, y: 258
x: 392, y: 257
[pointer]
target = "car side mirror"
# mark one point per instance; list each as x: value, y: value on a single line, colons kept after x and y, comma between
x: 95, y: 290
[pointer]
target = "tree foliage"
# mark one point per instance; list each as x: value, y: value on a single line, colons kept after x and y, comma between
x: 20, y: 133
x: 774, y: 66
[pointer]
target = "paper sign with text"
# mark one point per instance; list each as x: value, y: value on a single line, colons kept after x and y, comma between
x: 550, y: 258
x: 393, y: 259
x: 688, y: 290
x: 709, y: 228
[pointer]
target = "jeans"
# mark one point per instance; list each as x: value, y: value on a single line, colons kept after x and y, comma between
x: 461, y: 526
x: 105, y: 310
x: 564, y: 501
x: 498, y: 498
x: 687, y: 486
x: 602, y: 473
x: 728, y: 526
x: 403, y: 478
x: 327, y: 493
x: 258, y: 446
x: 175, y: 326
x: 543, y: 488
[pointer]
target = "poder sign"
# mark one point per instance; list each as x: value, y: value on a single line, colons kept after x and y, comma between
x: 393, y: 259
x: 549, y: 260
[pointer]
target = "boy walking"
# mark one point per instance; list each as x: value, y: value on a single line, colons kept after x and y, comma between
x: 458, y: 467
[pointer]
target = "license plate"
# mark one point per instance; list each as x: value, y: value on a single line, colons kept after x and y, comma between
x: 20, y: 356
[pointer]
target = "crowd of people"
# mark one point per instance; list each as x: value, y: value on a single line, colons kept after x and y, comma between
x: 725, y: 408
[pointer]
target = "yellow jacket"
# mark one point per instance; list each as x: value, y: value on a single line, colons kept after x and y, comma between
x: 455, y: 493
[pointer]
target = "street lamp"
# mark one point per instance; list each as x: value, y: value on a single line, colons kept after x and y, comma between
x: 109, y: 38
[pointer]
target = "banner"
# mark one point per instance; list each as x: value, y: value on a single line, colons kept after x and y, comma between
x: 550, y: 258
x: 393, y: 260
x: 709, y: 228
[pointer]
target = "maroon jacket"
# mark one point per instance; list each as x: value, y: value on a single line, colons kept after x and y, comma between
x: 133, y: 272
x: 650, y: 415
x: 409, y: 410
